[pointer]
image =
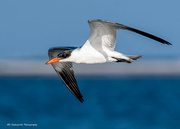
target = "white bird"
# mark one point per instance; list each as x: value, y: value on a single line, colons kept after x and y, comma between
x: 99, y: 48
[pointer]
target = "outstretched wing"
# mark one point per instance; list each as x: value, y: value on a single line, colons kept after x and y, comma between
x: 104, y: 34
x: 65, y: 72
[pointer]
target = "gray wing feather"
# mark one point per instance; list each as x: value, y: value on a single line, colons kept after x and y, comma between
x: 102, y: 34
x: 65, y: 72
x: 105, y: 33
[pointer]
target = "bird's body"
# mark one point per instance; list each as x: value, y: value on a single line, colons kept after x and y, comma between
x: 92, y: 56
x: 99, y: 48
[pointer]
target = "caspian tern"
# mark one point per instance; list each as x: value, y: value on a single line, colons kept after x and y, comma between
x: 99, y: 48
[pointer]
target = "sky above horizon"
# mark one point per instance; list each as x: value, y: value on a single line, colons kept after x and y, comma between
x: 29, y: 28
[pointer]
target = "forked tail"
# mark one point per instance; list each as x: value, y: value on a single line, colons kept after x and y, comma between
x: 134, y: 57
x: 129, y: 58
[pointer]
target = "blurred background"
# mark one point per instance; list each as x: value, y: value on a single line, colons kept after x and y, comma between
x: 144, y: 94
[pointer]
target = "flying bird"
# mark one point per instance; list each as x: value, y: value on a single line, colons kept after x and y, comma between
x: 99, y: 48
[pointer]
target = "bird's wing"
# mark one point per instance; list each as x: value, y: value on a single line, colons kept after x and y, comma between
x: 104, y: 33
x: 65, y: 72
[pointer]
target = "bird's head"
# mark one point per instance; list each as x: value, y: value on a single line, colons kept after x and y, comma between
x: 60, y: 56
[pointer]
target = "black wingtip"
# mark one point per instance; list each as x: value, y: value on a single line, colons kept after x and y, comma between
x: 148, y: 35
x: 78, y: 96
x: 168, y: 43
x: 81, y: 100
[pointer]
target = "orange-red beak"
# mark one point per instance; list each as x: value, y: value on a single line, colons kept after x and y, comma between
x: 53, y: 60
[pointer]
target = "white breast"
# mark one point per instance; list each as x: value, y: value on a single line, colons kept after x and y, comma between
x: 89, y: 56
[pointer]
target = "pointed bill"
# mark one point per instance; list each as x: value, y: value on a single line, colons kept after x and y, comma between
x: 53, y: 60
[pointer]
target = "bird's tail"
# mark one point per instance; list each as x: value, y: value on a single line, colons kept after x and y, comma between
x: 127, y: 58
x: 133, y: 57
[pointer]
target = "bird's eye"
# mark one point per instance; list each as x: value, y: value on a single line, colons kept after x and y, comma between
x: 61, y: 55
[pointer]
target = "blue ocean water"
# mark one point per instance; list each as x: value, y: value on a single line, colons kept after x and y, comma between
x: 110, y: 103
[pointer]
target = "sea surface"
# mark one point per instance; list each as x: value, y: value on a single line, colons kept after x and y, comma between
x: 109, y: 103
